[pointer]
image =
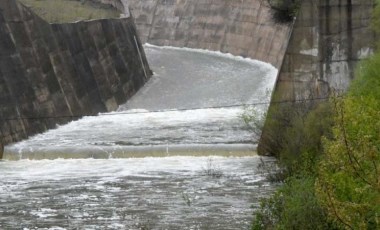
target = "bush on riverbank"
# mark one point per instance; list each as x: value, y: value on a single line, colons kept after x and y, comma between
x: 332, y: 178
x: 295, y: 204
x: 333, y: 181
x: 293, y: 134
x: 348, y: 180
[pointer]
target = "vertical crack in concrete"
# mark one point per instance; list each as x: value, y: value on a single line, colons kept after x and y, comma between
x: 9, y: 86
x: 48, y: 71
x: 349, y: 39
x: 153, y: 21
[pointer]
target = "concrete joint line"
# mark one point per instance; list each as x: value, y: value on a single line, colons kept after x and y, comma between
x: 141, y: 60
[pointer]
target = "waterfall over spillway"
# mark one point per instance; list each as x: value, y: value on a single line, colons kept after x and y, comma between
x: 193, y: 103
x: 192, y: 106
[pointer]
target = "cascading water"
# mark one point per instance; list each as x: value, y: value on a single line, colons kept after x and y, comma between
x: 197, y: 87
x: 191, y: 106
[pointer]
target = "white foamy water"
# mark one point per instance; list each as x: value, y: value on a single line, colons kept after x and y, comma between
x: 196, y: 98
x: 136, y: 193
x: 191, y: 106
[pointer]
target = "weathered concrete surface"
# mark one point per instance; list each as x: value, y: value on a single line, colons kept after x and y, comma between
x: 238, y: 27
x: 121, y: 5
x: 63, y: 69
x: 328, y: 39
x: 118, y: 4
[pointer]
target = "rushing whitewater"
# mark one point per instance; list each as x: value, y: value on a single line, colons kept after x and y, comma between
x: 136, y: 193
x: 192, y: 106
x: 194, y: 101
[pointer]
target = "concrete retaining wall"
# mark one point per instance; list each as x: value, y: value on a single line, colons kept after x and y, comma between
x: 63, y: 69
x: 243, y: 28
x: 328, y: 40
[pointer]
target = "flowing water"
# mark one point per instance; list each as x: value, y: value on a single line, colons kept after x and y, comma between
x: 108, y: 175
x: 136, y: 193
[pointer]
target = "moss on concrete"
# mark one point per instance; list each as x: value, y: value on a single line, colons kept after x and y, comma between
x: 63, y: 11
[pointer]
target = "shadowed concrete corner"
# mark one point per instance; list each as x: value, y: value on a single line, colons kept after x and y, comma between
x: 1, y: 149
x: 63, y: 71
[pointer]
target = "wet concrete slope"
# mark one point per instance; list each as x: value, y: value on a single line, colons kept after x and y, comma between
x: 63, y: 69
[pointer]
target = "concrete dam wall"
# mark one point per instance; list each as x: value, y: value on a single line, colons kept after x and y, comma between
x: 328, y: 39
x: 63, y: 70
x: 244, y: 28
x: 314, y: 55
x: 87, y: 67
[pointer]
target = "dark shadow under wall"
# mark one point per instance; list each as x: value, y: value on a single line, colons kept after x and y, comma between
x: 53, y: 73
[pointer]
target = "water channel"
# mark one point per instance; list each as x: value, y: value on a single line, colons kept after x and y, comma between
x: 176, y: 156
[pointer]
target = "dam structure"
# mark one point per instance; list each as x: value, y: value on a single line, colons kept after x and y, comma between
x: 53, y: 73
x: 193, y: 104
x: 315, y: 54
x: 161, y: 161
x: 164, y: 145
x: 103, y: 170
x: 94, y: 66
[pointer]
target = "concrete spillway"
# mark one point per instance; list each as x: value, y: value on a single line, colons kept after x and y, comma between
x: 315, y: 54
x: 193, y: 104
x: 173, y: 192
x: 177, y: 192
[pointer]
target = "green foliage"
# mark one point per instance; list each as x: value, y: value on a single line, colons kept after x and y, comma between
x: 293, y: 206
x: 293, y: 134
x: 366, y: 85
x: 349, y: 175
x: 336, y: 144
x: 285, y: 10
x: 254, y: 119
x: 63, y: 11
x: 332, y: 182
x: 349, y: 179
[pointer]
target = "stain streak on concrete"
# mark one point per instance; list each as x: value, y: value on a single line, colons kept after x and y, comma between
x: 63, y: 70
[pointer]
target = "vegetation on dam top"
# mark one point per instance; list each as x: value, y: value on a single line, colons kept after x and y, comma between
x: 64, y: 11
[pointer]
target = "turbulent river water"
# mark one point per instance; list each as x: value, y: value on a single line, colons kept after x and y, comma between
x: 103, y: 172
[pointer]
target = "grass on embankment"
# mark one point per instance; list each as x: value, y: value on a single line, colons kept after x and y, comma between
x: 64, y: 11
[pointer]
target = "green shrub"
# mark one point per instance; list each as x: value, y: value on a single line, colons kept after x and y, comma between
x: 293, y: 133
x: 349, y: 175
x: 285, y: 10
x: 332, y: 158
x: 293, y: 206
